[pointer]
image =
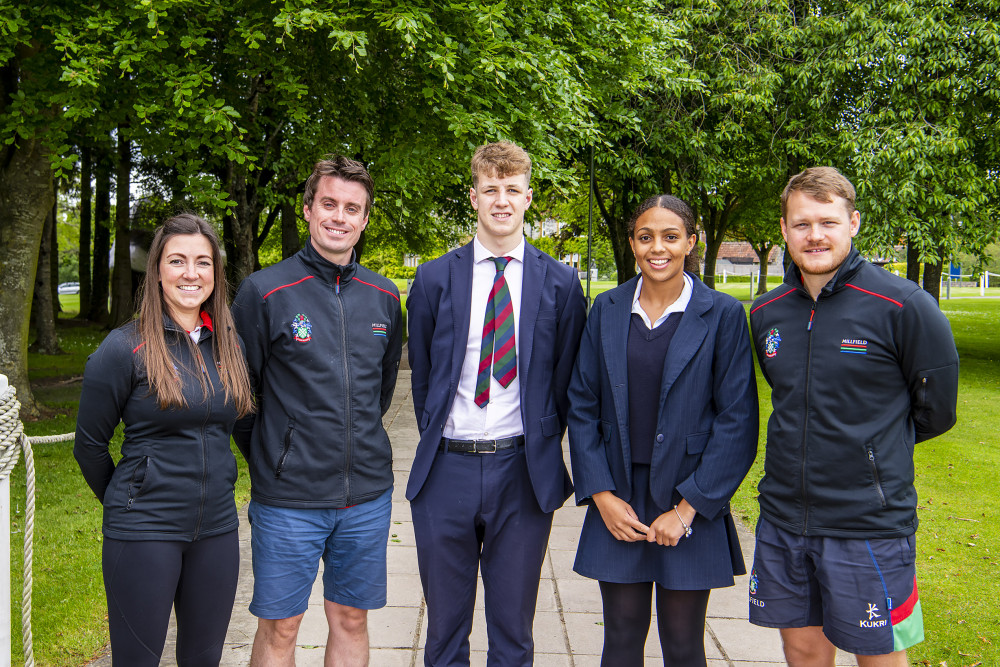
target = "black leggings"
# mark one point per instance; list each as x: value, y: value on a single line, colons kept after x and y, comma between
x: 143, y: 580
x: 680, y: 619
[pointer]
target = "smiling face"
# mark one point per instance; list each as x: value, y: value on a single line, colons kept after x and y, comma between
x: 336, y: 217
x: 500, y: 204
x: 187, y: 277
x: 660, y: 243
x: 818, y: 236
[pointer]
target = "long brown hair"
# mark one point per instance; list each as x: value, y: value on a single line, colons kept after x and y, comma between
x: 160, y: 363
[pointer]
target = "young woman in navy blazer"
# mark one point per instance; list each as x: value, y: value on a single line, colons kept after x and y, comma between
x: 663, y: 428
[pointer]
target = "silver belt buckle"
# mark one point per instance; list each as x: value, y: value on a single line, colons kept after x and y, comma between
x: 486, y: 443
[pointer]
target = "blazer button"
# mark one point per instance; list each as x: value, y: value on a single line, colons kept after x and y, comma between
x: 659, y: 437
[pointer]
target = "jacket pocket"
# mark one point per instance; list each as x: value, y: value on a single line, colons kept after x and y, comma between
x: 696, y: 442
x: 877, y: 481
x: 286, y: 446
x: 137, y: 482
x: 550, y: 426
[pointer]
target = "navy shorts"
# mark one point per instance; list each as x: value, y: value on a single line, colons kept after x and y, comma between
x: 862, y: 592
x: 288, y: 543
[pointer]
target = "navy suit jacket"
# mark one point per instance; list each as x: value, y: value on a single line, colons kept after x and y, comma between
x: 707, y: 427
x: 553, y: 312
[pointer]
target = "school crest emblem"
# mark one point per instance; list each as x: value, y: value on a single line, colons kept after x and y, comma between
x: 302, y: 328
x: 772, y: 342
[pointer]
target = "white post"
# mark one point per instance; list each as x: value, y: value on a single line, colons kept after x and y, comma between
x: 4, y: 562
x: 982, y: 283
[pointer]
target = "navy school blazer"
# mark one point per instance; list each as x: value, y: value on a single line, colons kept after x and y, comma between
x: 553, y: 312
x: 707, y: 428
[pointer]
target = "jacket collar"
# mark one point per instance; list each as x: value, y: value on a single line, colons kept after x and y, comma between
x: 851, y: 264
x: 326, y: 270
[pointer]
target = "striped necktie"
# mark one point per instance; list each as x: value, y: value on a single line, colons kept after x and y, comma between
x: 498, y: 351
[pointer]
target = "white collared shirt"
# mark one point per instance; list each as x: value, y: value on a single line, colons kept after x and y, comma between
x: 501, y: 417
x: 678, y: 306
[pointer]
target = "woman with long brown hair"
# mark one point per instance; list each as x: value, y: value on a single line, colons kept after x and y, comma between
x: 176, y: 377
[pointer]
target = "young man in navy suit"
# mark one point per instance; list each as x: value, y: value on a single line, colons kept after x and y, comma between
x: 494, y: 328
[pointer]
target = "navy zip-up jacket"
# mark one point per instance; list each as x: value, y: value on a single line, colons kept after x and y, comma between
x: 858, y: 377
x: 323, y: 344
x: 175, y: 478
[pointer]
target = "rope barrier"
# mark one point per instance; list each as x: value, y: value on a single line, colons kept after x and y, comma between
x: 12, y: 442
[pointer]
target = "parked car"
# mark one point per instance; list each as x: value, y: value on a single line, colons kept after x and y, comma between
x: 68, y: 288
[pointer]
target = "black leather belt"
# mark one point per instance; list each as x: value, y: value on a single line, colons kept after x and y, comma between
x: 481, y: 446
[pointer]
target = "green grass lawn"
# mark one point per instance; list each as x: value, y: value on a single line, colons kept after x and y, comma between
x: 958, y: 541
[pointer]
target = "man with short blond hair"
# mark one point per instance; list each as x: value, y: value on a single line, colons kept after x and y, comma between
x: 494, y: 328
x: 862, y: 366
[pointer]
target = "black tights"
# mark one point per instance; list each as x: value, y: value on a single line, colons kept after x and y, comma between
x: 680, y: 620
x: 145, y: 579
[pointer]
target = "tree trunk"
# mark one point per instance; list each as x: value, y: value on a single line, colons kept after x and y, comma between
x: 242, y: 261
x: 85, y: 221
x: 932, y: 278
x: 102, y: 238
x: 42, y: 310
x: 122, y: 308
x: 715, y: 223
x: 54, y: 261
x: 25, y: 199
x: 617, y: 225
x: 762, y: 256
x: 912, y: 262
x: 289, y: 228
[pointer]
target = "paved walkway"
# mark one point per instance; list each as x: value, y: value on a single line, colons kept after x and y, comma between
x: 568, y: 618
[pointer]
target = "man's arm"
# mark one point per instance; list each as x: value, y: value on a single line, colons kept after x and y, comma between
x: 929, y: 362
x: 250, y: 318
x: 420, y: 328
x: 569, y: 329
x: 390, y: 360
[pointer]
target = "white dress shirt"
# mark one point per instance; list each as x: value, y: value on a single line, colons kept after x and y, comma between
x: 501, y: 417
x: 678, y: 306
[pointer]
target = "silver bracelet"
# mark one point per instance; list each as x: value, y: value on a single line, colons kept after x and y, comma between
x: 687, y: 528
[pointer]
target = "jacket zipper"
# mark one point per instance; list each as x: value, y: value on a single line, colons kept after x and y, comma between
x: 805, y: 424
x: 144, y: 464
x: 878, y: 482
x: 204, y: 442
x: 349, y: 448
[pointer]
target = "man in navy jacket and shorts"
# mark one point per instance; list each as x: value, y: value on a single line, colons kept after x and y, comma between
x: 862, y: 366
x: 323, y: 339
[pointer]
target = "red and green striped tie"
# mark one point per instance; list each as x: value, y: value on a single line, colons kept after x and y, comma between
x: 498, y: 351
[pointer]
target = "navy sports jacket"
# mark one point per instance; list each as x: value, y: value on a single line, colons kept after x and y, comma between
x: 323, y: 344
x: 858, y: 377
x: 176, y: 475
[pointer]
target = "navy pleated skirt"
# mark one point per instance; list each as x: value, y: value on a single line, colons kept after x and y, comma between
x: 710, y: 558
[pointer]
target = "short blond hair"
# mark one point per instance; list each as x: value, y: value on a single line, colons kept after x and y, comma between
x: 822, y: 184
x: 500, y: 159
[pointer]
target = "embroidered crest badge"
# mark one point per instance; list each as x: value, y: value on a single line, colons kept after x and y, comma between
x: 772, y: 342
x: 302, y: 328
x: 380, y: 329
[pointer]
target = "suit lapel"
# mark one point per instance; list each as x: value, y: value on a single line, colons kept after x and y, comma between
x: 533, y: 278
x: 614, y: 338
x: 690, y: 335
x: 461, y: 306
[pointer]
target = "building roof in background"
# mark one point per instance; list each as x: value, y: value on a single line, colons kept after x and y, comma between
x: 740, y: 252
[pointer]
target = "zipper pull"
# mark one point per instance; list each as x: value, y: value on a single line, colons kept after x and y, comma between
x: 812, y: 313
x: 338, y: 284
